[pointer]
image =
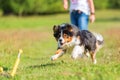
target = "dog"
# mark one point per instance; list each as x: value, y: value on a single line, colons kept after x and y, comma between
x: 77, y: 42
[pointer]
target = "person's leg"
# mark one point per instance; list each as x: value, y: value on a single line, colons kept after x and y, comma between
x: 83, y: 20
x: 73, y: 18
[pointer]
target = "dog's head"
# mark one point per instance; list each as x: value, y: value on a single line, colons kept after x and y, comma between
x: 64, y: 33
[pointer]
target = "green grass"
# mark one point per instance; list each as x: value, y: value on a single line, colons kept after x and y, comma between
x: 34, y: 35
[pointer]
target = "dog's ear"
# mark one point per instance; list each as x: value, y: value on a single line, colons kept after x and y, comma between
x: 55, y: 31
x: 55, y: 28
x: 69, y: 27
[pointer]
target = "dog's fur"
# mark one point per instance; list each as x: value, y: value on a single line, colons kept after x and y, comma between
x: 69, y: 36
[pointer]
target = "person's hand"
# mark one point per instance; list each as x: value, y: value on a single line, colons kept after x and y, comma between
x: 65, y: 5
x: 92, y: 18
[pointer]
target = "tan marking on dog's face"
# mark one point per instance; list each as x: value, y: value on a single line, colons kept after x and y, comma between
x: 67, y: 38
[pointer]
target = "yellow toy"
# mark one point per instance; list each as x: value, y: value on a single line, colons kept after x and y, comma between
x: 1, y: 70
x: 7, y: 74
x: 16, y: 63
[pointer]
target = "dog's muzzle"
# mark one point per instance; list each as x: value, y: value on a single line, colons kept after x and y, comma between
x: 60, y: 41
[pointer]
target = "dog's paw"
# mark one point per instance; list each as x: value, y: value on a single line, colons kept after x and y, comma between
x: 53, y: 58
x: 87, y: 54
x: 95, y: 61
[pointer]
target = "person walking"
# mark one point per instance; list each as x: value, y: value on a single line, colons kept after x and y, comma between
x: 81, y: 12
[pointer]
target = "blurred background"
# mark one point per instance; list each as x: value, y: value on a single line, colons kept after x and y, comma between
x: 30, y: 7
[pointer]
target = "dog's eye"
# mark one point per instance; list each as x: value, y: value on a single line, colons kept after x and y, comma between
x: 55, y: 35
x: 58, y: 36
x: 66, y: 36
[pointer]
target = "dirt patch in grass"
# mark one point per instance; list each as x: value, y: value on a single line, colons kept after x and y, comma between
x: 22, y: 38
x: 112, y: 37
x: 24, y: 35
x: 113, y: 33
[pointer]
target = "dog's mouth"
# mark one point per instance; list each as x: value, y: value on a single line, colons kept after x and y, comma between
x: 61, y: 43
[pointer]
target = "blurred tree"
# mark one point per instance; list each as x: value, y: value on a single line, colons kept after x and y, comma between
x: 101, y: 4
x: 5, y: 6
x: 114, y: 4
x: 21, y: 7
x: 17, y: 6
x: 35, y: 6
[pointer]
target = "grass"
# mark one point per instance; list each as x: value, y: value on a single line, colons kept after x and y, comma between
x: 34, y: 35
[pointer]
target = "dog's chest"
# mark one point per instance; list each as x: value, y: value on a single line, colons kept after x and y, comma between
x: 69, y: 50
x: 72, y: 44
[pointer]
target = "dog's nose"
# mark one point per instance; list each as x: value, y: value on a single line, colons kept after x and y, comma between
x: 60, y: 40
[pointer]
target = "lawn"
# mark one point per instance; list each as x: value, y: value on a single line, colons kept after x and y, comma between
x: 34, y: 35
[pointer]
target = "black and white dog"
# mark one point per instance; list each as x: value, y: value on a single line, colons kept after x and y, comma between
x: 69, y: 36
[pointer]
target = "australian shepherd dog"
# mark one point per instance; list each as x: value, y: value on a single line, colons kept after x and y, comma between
x: 81, y: 42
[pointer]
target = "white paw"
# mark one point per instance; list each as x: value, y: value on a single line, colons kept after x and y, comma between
x: 80, y: 55
x: 95, y: 61
x: 54, y: 57
x: 87, y: 54
x: 74, y: 56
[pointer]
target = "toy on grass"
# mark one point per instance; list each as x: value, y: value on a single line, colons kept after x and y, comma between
x: 1, y: 69
x: 13, y: 72
x: 16, y: 63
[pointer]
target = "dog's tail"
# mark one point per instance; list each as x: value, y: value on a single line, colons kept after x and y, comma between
x: 99, y: 38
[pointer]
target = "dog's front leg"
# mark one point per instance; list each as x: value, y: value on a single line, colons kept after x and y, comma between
x: 58, y: 53
x: 77, y: 52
